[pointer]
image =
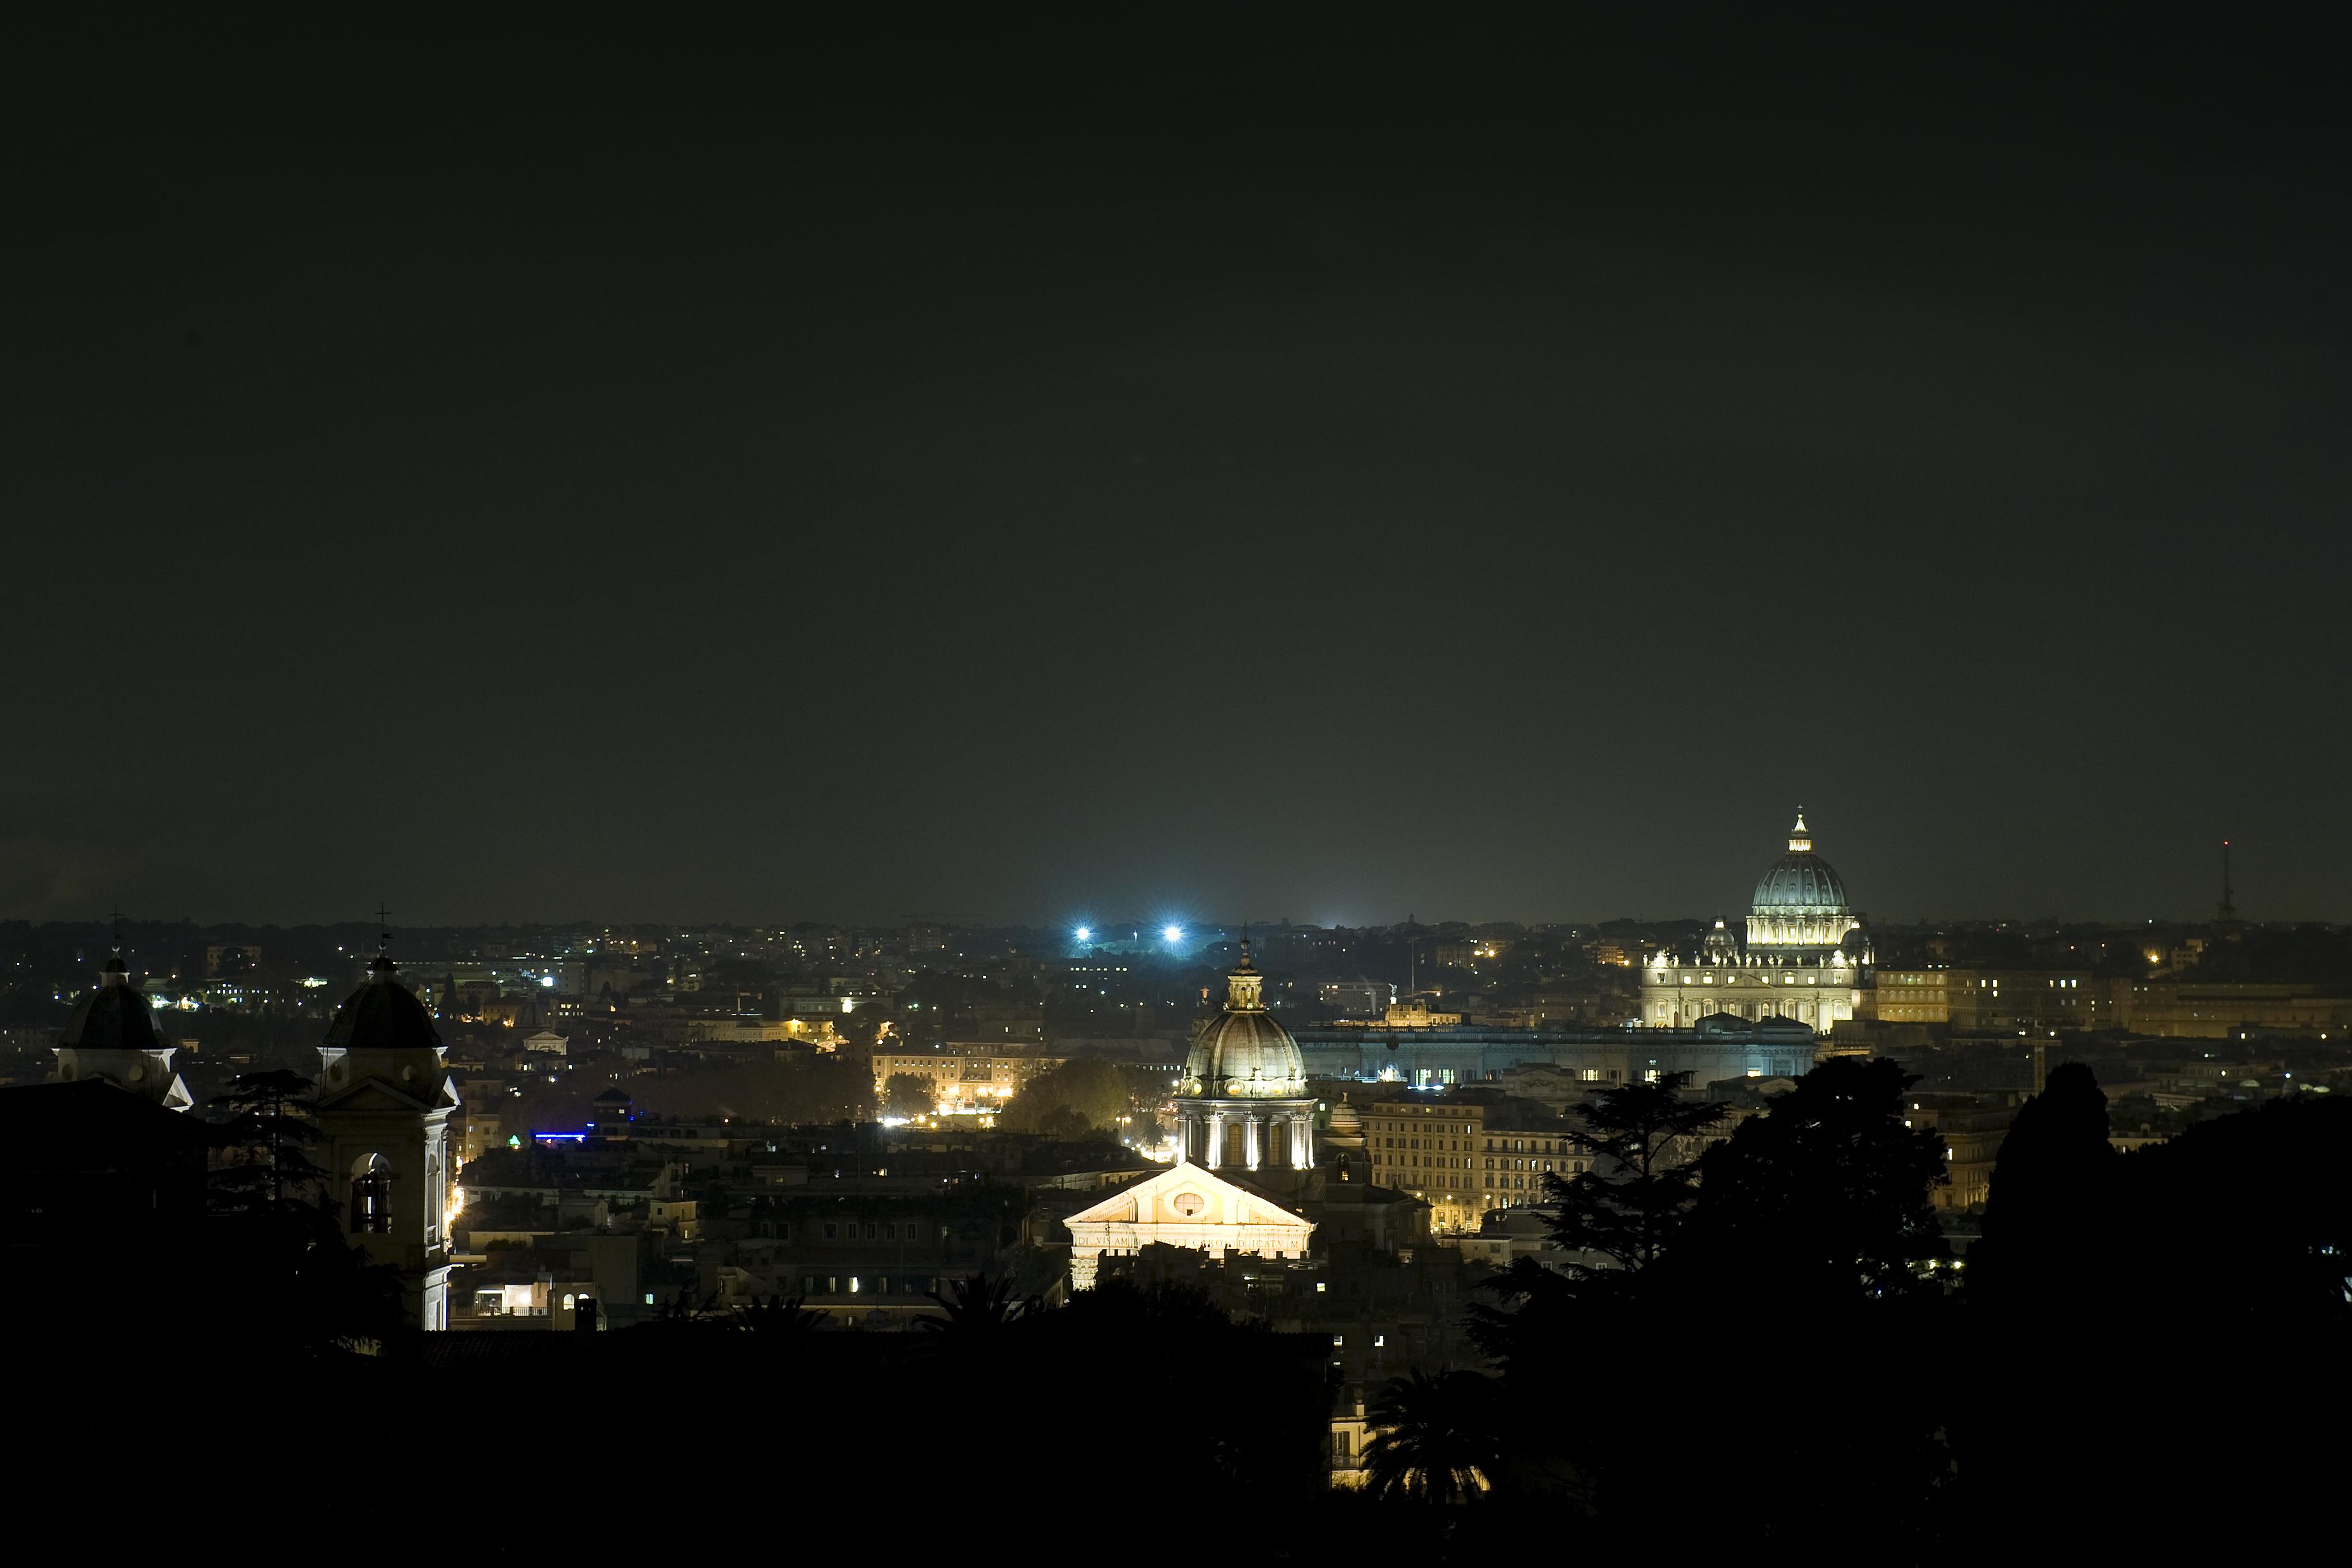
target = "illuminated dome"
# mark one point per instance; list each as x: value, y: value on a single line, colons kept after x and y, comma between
x: 1242, y: 1053
x: 383, y: 1013
x: 1800, y: 900
x: 114, y: 1016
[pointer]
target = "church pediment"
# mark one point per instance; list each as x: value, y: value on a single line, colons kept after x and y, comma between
x: 1188, y: 1195
x: 375, y: 1094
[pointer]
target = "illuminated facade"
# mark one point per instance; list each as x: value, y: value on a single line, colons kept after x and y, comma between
x: 1804, y: 955
x: 113, y: 1034
x: 1183, y: 1206
x: 1444, y: 1152
x: 383, y: 1114
x: 1242, y: 1102
x: 964, y: 1079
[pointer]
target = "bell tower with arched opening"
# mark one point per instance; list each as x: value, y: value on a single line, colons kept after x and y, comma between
x: 383, y: 1112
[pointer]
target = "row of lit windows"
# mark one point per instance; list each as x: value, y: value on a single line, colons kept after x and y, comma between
x: 1434, y: 1163
x: 863, y: 1285
x: 856, y: 1230
x: 1493, y: 1145
x: 1487, y: 1188
x: 1754, y: 980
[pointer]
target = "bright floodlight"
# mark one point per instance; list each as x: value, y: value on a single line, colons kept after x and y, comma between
x: 1171, y: 934
x: 1085, y: 934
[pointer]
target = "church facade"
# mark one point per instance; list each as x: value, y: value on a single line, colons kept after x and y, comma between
x: 1803, y: 954
x: 1183, y: 1206
x: 1242, y: 1112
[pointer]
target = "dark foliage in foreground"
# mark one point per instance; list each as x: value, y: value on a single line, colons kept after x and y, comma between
x: 1775, y: 1357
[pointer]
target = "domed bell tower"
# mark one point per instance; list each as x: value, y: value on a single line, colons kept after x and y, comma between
x: 1243, y: 1103
x: 113, y: 1034
x: 383, y: 1111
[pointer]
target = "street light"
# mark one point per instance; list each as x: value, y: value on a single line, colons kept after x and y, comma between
x: 1084, y: 935
x: 1172, y: 934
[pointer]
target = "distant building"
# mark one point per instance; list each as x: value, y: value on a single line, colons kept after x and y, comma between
x: 966, y: 1078
x: 1460, y: 1157
x: 1356, y: 998
x: 2210, y: 1010
x: 547, y: 1041
x: 1973, y: 1126
x: 1804, y: 955
x: 1711, y: 1048
x: 2012, y: 1001
x: 1412, y: 1014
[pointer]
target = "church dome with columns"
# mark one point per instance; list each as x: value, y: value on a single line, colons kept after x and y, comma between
x: 1243, y: 1053
x: 1241, y: 1101
x: 1799, y: 899
x: 1799, y: 882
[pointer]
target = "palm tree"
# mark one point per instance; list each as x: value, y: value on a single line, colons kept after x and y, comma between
x: 776, y: 1314
x: 974, y: 1311
x: 1437, y: 1438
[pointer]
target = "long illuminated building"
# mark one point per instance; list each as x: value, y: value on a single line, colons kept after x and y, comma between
x: 1714, y: 1049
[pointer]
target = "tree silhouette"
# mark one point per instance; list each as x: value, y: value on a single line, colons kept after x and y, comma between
x: 275, y: 1233
x: 974, y: 1311
x: 1631, y: 1200
x: 905, y: 1094
x: 264, y: 1141
x: 1800, y: 1237
x: 1824, y: 1198
x: 1610, y: 1222
x: 1436, y: 1439
x: 2047, y: 1222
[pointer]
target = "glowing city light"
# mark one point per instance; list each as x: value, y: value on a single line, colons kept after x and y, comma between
x: 1084, y: 933
x: 1171, y: 934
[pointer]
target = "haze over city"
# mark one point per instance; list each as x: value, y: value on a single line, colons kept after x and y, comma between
x: 692, y: 486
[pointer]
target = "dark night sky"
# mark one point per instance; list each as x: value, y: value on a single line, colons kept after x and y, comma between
x: 1324, y: 475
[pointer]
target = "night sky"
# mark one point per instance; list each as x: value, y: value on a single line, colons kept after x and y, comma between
x: 1210, y: 472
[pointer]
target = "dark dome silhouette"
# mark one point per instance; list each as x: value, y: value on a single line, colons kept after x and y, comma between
x: 383, y: 1014
x: 114, y: 1014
